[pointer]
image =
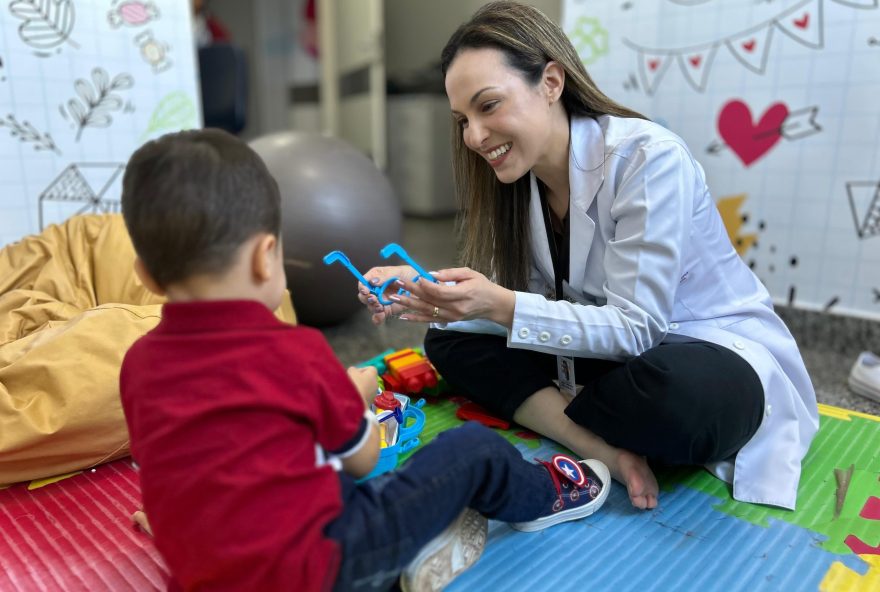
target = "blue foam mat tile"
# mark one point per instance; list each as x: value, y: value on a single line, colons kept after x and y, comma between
x: 683, y: 545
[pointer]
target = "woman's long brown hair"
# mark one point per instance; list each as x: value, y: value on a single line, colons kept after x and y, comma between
x: 493, y: 216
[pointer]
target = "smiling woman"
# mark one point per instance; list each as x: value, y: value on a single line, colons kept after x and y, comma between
x: 616, y: 300
x: 517, y: 93
x: 492, y: 103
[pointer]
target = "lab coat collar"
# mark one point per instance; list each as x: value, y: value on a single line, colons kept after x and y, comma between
x: 585, y: 177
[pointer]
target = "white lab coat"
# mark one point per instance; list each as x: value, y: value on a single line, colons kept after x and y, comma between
x: 649, y: 256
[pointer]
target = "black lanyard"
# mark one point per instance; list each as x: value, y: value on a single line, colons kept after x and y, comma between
x: 559, y: 247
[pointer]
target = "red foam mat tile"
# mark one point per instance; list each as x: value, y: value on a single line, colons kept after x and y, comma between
x: 76, y: 534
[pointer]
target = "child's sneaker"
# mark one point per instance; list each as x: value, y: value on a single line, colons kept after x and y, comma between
x: 448, y: 554
x: 864, y: 378
x: 581, y: 489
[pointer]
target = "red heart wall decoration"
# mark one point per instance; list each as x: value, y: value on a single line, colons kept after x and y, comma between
x: 750, y: 141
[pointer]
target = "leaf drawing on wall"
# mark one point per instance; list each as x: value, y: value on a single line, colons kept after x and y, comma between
x: 47, y: 23
x: 25, y: 132
x: 96, y: 99
x: 176, y: 111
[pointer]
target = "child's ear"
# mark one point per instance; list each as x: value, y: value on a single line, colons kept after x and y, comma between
x: 265, y: 252
x: 146, y: 278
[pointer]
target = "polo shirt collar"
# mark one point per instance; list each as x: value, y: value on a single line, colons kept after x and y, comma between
x: 213, y: 315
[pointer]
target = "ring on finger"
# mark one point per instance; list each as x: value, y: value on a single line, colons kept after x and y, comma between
x: 436, y: 312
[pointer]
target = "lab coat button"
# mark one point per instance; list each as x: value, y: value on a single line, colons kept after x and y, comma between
x: 566, y: 339
x: 524, y: 333
x: 769, y: 410
x: 544, y: 336
x: 673, y: 325
x: 739, y: 344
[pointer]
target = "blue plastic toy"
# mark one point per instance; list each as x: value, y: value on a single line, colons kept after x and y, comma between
x: 386, y: 252
x: 407, y: 438
x: 395, y: 249
x: 377, y: 291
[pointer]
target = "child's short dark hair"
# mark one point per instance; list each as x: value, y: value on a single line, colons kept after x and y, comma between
x: 190, y: 199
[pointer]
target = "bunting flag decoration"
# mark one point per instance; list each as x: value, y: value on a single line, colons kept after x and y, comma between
x: 752, y: 48
x: 864, y: 201
x: 803, y: 23
x: 652, y: 66
x: 859, y: 3
x: 696, y: 65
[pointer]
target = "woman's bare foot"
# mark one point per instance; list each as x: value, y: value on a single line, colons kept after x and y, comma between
x: 544, y: 413
x: 633, y: 471
x: 140, y: 518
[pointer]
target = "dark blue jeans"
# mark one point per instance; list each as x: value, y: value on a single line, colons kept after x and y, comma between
x: 387, y: 520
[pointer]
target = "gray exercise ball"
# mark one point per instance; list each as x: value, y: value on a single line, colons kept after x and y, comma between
x: 332, y: 198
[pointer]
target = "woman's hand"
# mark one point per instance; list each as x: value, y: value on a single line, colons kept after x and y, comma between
x: 378, y: 276
x: 461, y: 294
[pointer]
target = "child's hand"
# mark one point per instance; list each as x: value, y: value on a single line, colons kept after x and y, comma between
x: 366, y: 381
x: 140, y: 519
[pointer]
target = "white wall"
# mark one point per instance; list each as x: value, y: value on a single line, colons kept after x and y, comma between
x: 778, y: 102
x: 78, y: 95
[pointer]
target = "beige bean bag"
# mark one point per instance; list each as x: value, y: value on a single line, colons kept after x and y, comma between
x: 70, y: 306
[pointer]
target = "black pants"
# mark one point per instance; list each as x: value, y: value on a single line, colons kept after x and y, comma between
x: 685, y: 401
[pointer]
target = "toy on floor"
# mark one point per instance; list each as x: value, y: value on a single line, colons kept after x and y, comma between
x: 408, y: 371
x: 472, y: 412
x: 387, y: 406
x: 398, y: 435
x: 386, y: 252
x: 378, y: 362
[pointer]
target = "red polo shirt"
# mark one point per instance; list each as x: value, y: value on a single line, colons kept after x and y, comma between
x: 225, y: 405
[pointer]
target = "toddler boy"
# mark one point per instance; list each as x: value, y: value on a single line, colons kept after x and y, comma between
x: 249, y: 434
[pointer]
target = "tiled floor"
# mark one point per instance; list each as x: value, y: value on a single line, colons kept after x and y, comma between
x: 829, y: 344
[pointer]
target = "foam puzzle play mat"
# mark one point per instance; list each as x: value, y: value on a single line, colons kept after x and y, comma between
x: 74, y: 532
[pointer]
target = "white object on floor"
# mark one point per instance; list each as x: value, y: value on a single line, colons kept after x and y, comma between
x: 447, y: 555
x: 864, y: 378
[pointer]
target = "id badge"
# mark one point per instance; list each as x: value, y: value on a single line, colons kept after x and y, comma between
x: 565, y: 375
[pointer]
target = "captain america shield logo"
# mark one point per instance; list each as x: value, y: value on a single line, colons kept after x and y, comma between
x: 571, y: 469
